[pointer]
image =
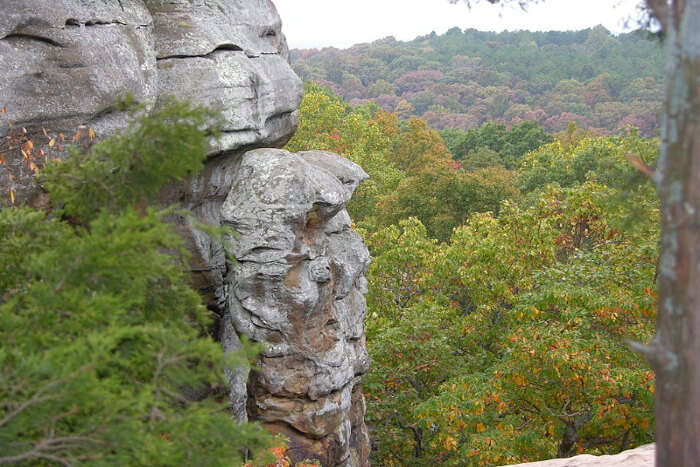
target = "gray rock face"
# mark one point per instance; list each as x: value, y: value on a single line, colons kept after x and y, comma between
x: 298, y: 286
x: 230, y: 55
x: 65, y: 63
x: 297, y: 283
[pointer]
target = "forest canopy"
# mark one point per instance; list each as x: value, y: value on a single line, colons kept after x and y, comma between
x: 462, y: 79
x: 504, y: 285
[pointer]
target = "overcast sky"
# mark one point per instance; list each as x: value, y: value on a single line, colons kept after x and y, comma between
x: 342, y: 23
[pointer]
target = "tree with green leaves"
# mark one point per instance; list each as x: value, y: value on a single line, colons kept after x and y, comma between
x: 510, y: 144
x: 508, y: 342
x: 106, y: 356
x: 675, y: 350
x: 364, y: 134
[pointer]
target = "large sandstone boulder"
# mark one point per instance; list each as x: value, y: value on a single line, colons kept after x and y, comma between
x: 290, y: 272
x: 229, y: 55
x: 65, y: 63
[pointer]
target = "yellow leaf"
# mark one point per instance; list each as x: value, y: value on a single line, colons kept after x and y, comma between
x: 52, y: 143
x: 480, y: 428
x: 12, y: 196
x: 91, y: 134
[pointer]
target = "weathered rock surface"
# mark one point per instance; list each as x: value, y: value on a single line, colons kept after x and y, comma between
x: 643, y: 456
x: 298, y: 286
x: 65, y: 63
x: 229, y: 55
x: 296, y: 282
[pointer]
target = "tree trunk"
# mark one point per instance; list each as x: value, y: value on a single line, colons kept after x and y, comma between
x: 675, y: 350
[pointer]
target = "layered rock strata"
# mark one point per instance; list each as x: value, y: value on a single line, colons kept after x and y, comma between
x: 297, y: 284
x: 290, y: 272
x: 65, y: 63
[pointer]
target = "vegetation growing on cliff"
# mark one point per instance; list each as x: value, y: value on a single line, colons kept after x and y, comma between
x: 106, y: 357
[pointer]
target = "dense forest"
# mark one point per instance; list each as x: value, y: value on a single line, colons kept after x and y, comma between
x: 503, y: 286
x: 514, y: 245
x: 462, y: 79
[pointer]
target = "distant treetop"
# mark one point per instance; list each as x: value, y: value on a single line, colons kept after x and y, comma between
x: 462, y: 79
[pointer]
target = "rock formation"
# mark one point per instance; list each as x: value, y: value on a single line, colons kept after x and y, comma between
x: 290, y: 273
x: 65, y: 63
x: 643, y: 456
x: 298, y: 285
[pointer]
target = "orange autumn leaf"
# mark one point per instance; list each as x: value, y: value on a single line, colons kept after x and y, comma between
x: 450, y: 443
x: 278, y: 452
x: 639, y: 164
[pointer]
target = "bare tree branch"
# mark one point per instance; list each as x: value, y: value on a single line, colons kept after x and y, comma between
x: 38, y: 396
x: 42, y: 449
x: 659, y: 11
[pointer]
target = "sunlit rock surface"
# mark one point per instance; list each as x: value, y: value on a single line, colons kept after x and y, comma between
x: 643, y: 456
x: 289, y: 272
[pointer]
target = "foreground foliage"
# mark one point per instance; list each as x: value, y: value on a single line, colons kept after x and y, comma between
x: 106, y: 357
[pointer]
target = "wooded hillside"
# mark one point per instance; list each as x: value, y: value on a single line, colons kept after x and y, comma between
x: 462, y: 79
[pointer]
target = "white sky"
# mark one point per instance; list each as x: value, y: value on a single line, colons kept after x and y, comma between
x: 342, y: 23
